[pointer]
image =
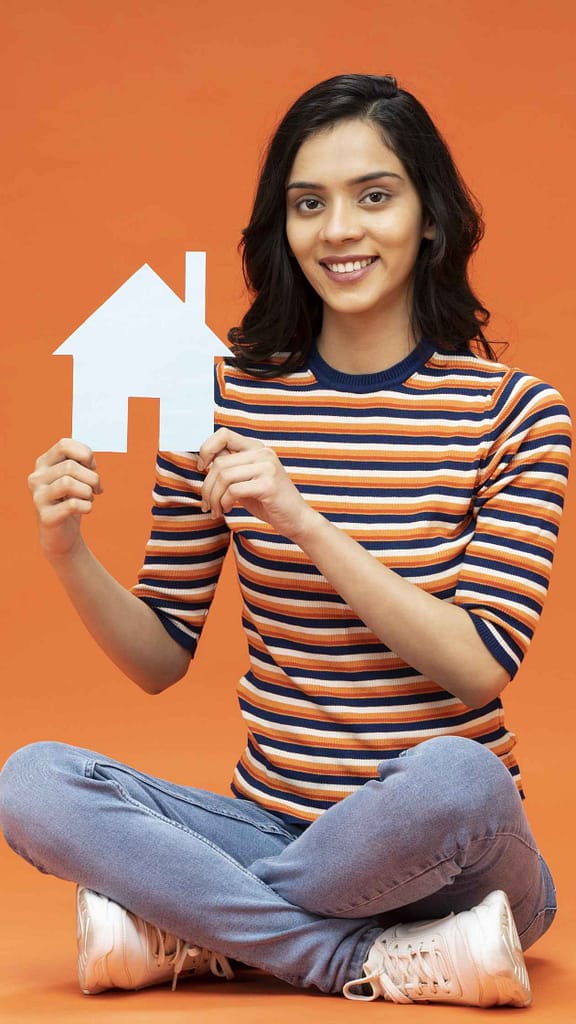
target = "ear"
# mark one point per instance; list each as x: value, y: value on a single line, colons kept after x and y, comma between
x: 428, y: 228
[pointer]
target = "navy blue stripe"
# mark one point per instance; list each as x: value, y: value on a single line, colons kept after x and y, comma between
x: 514, y: 571
x: 358, y: 727
x: 485, y: 590
x: 178, y: 584
x: 333, y: 699
x: 303, y: 801
x: 189, y: 473
x: 187, y: 535
x: 172, y: 628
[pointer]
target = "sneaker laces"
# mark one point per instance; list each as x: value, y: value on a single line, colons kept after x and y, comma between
x: 405, y: 972
x: 202, y: 960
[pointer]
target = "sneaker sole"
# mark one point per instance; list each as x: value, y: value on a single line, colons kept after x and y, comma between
x: 92, y: 970
x: 512, y: 982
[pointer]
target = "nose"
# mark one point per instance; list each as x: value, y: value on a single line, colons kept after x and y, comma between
x: 341, y: 222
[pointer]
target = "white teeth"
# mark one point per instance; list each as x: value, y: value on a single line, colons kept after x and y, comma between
x: 347, y: 268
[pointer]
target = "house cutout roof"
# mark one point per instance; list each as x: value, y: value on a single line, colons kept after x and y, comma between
x: 145, y: 341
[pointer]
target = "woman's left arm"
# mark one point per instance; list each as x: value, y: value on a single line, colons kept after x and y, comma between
x: 435, y: 637
x: 428, y: 633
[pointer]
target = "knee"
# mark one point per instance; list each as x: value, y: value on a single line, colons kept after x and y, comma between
x: 30, y: 790
x: 469, y: 782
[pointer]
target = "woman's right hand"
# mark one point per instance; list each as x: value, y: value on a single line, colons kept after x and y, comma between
x: 63, y: 484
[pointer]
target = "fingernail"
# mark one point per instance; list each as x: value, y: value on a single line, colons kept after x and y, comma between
x: 200, y: 465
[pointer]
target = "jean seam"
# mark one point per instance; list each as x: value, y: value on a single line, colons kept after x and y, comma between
x: 505, y: 835
x: 357, y: 961
x: 270, y: 829
x: 183, y: 828
x: 421, y: 874
x: 536, y: 918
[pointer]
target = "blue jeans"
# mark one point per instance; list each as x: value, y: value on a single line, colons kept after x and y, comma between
x: 441, y: 827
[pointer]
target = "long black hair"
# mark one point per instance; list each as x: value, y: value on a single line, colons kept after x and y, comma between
x: 286, y: 313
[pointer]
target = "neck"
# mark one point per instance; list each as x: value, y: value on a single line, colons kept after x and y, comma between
x: 357, y: 343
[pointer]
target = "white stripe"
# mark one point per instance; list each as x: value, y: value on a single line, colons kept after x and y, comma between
x: 492, y: 573
x: 316, y: 709
x: 486, y: 550
x: 238, y: 392
x: 393, y: 500
x: 429, y: 545
x: 501, y: 642
x: 163, y: 589
x: 237, y: 520
x: 457, y: 478
x: 314, y: 735
x: 536, y: 507
x: 296, y: 785
x: 187, y: 630
x: 389, y: 556
x: 261, y: 797
x: 394, y: 424
x: 303, y: 681
x: 217, y: 552
x: 496, y: 602
x: 497, y: 525
x: 329, y: 761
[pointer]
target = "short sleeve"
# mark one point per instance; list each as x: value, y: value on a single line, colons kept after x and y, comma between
x: 519, y: 499
x: 185, y: 551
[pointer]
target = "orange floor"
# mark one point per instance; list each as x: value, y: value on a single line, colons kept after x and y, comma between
x: 38, y: 981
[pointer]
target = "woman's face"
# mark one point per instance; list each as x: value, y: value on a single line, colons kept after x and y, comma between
x: 354, y: 219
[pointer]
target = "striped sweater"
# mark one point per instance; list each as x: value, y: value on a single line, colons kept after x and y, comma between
x: 451, y: 470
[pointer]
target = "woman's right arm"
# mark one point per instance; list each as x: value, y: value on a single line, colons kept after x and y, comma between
x: 64, y: 485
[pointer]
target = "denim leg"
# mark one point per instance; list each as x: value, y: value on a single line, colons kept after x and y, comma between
x: 442, y: 827
x: 175, y: 856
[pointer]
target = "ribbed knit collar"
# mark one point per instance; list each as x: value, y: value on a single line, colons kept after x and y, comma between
x: 360, y: 382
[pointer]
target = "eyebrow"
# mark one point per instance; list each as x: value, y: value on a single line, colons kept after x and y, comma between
x: 372, y: 176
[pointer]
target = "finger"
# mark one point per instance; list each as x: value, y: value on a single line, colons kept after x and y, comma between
x: 218, y: 482
x: 226, y: 461
x: 67, y: 448
x: 237, y: 493
x: 67, y: 468
x: 62, y: 490
x: 210, y: 483
x: 228, y: 468
x: 53, y: 515
x: 221, y: 439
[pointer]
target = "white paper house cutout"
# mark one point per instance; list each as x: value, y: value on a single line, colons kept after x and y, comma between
x: 144, y: 341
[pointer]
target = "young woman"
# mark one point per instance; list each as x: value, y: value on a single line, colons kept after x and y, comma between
x: 392, y: 494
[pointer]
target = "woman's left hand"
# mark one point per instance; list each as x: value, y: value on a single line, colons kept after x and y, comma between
x: 243, y: 471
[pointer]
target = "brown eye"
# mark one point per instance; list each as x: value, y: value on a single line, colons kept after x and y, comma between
x: 377, y: 198
x: 308, y: 204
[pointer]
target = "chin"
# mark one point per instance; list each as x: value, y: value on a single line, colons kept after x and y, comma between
x: 355, y: 306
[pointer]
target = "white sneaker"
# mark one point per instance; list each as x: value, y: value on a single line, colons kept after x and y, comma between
x: 473, y: 958
x: 117, y: 949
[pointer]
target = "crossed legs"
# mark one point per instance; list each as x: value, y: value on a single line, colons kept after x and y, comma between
x: 440, y: 828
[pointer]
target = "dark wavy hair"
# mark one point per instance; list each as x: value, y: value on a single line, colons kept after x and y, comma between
x: 285, y: 314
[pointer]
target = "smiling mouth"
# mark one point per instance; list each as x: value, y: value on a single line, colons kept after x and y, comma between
x: 348, y: 266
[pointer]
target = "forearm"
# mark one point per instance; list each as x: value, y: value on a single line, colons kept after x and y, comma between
x: 124, y: 627
x: 435, y: 637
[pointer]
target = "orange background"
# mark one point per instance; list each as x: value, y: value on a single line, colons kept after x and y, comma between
x: 132, y: 132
